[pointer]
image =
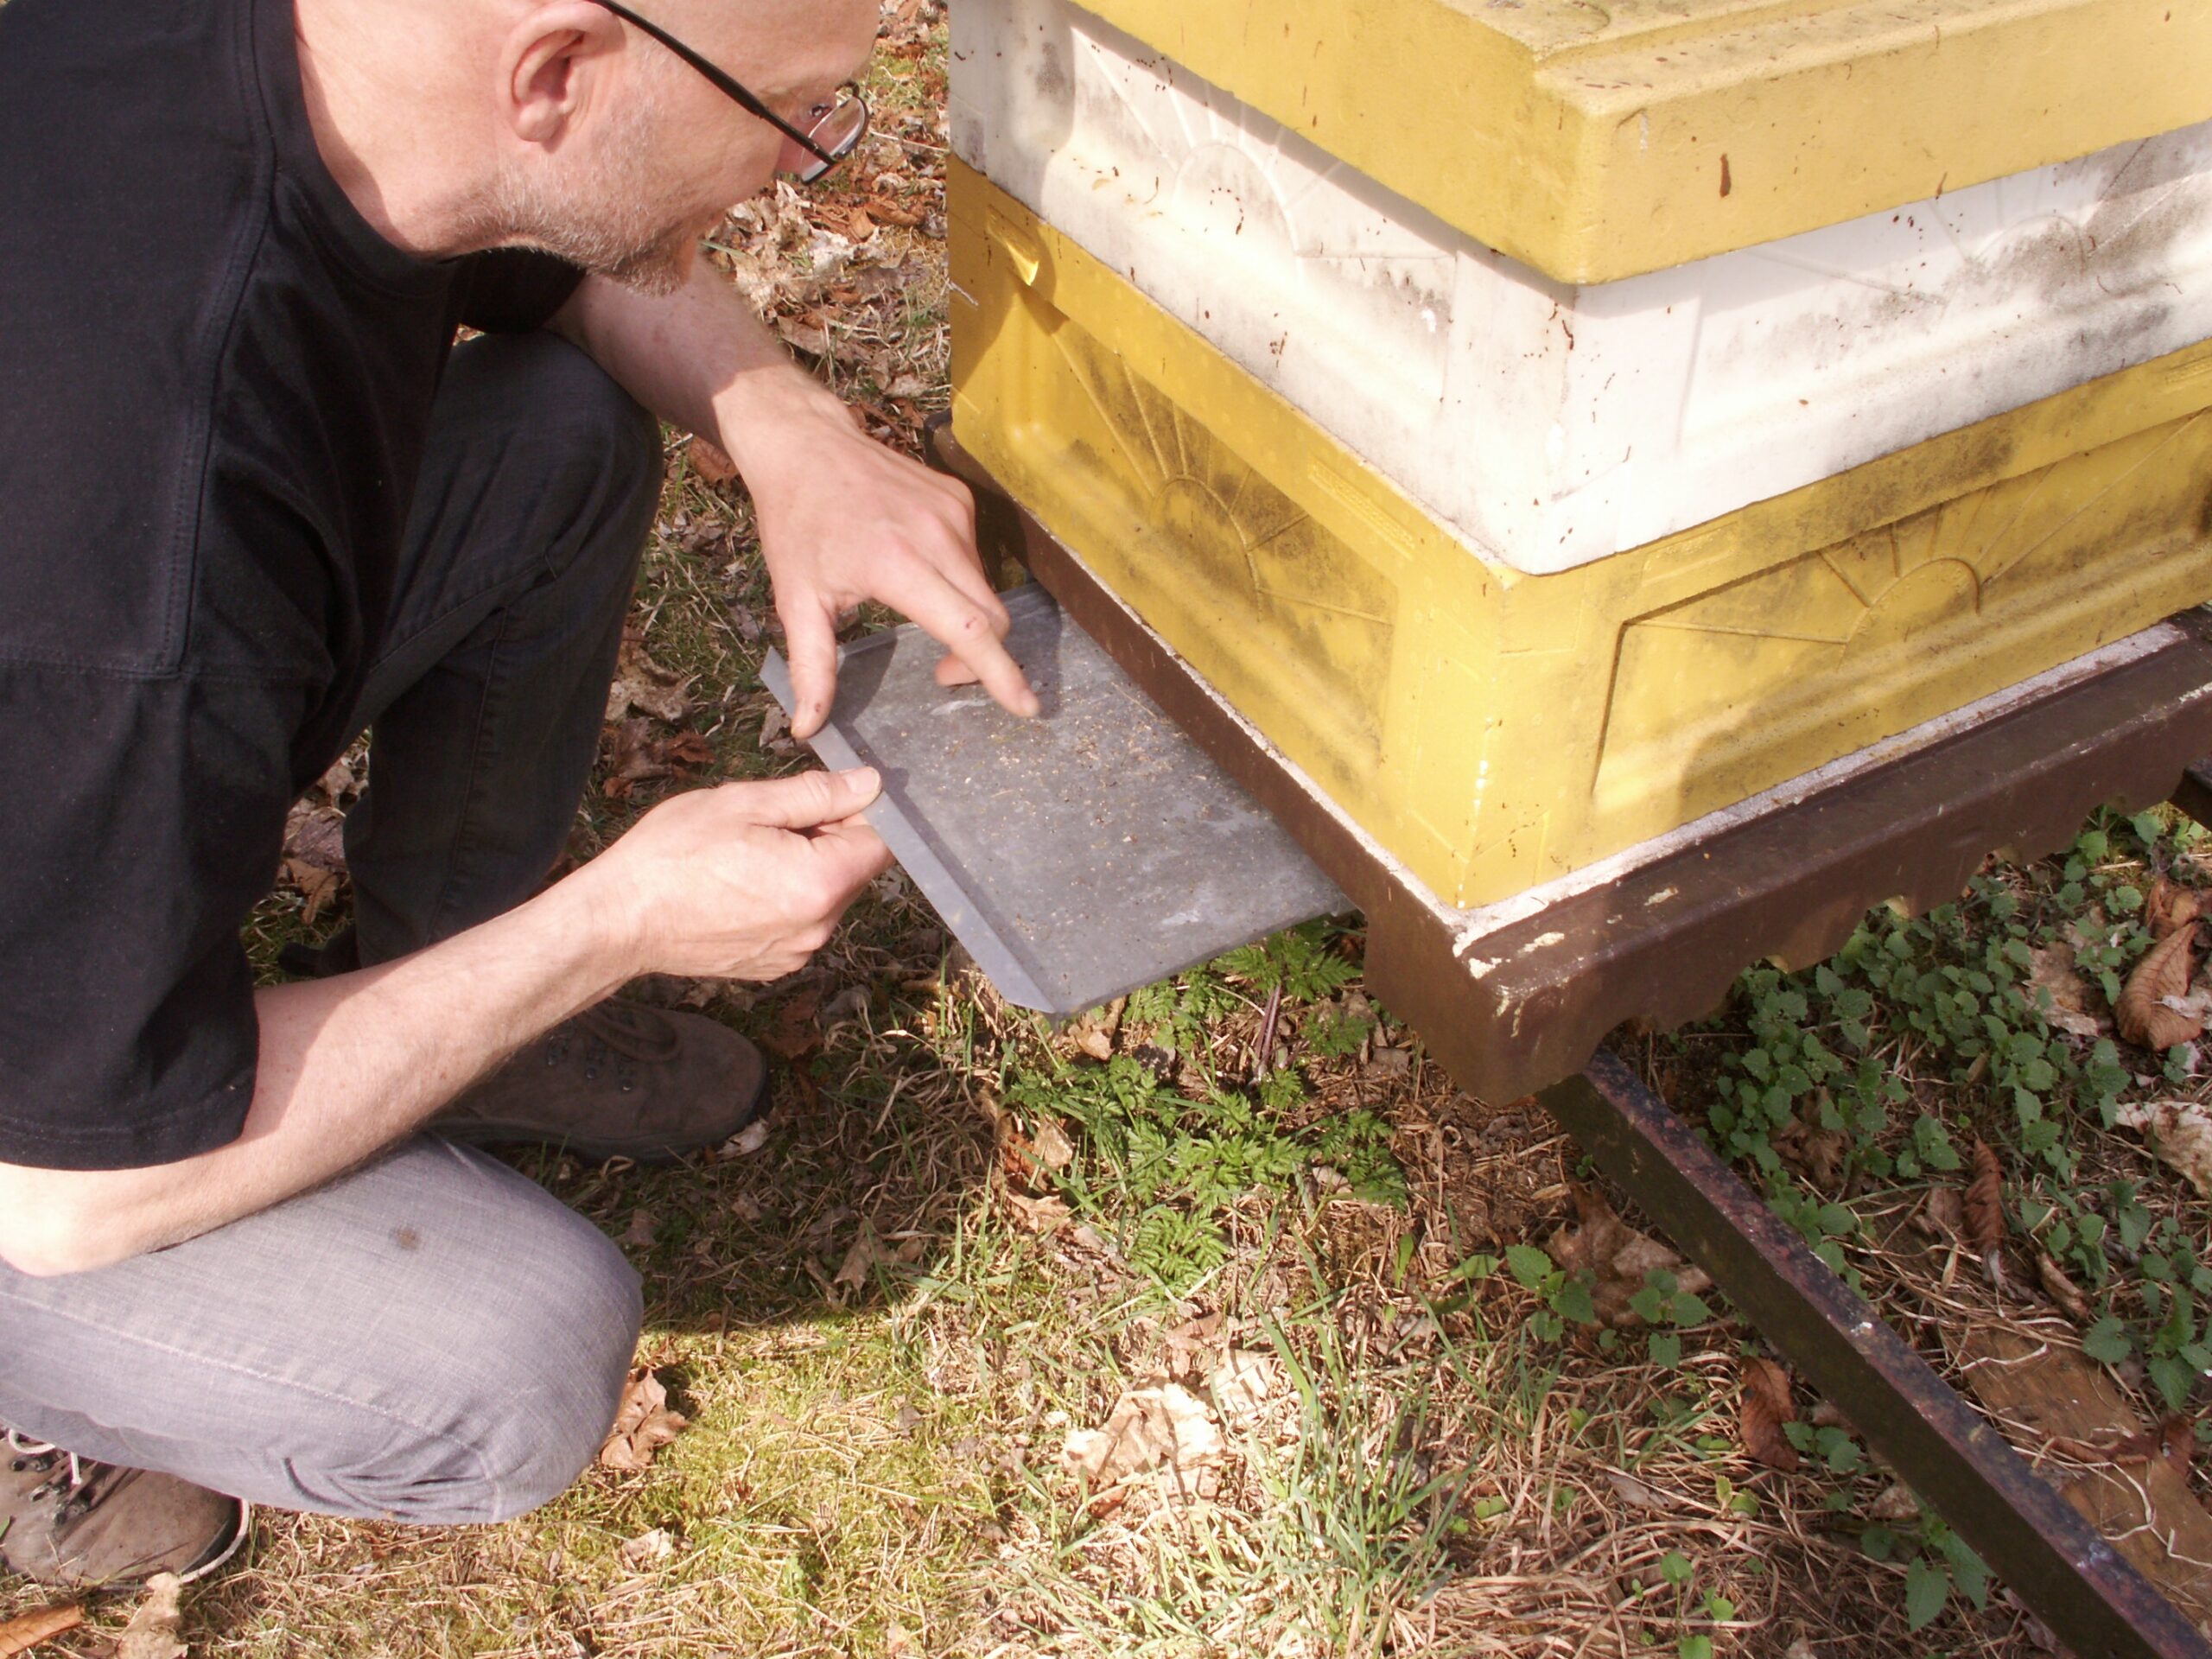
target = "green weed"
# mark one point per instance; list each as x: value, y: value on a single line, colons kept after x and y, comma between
x: 1167, y: 1161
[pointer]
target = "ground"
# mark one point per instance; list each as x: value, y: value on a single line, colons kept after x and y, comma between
x: 1221, y: 1323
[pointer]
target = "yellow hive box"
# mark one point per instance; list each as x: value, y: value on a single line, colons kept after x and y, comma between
x: 1493, y: 730
x: 1595, y: 142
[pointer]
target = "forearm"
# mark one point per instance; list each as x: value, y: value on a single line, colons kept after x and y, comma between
x: 346, y: 1066
x: 701, y: 360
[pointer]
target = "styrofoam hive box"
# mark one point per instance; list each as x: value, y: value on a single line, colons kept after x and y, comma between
x: 1550, y: 424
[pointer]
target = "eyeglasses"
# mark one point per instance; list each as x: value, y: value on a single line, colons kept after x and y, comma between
x: 834, y: 131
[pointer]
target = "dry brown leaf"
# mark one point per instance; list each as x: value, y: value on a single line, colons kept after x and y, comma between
x: 1766, y: 1408
x: 688, y: 749
x: 2170, y: 906
x: 643, y: 1424
x: 2073, y: 1008
x: 646, y: 1549
x: 862, y: 1257
x: 317, y: 886
x: 316, y: 836
x: 1093, y: 1032
x: 2048, y: 1396
x: 26, y: 1631
x: 2165, y: 971
x: 641, y: 682
x: 1242, y: 1383
x: 1983, y: 1202
x: 798, y: 1031
x: 2178, y: 1131
x: 156, y: 1622
x: 1943, y: 1216
x: 1160, y: 1424
x: 747, y: 1141
x: 1618, y: 1258
x: 1815, y: 1153
x: 1894, y: 1506
x: 710, y: 463
x: 1036, y: 1214
x: 1051, y: 1143
x: 1638, y: 1496
x: 2062, y: 1290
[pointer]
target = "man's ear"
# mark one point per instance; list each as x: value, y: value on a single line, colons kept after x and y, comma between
x: 553, y: 66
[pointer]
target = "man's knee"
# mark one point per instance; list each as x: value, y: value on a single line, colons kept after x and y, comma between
x: 562, y: 1357
x: 536, y: 1372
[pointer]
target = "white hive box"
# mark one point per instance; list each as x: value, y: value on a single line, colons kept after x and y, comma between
x: 1550, y: 423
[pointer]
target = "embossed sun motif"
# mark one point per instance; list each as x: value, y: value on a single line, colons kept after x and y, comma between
x: 1235, y: 570
x: 1904, y: 578
x: 1214, y: 504
x: 1897, y: 625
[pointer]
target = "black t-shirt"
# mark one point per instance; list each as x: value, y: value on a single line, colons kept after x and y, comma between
x: 215, y: 379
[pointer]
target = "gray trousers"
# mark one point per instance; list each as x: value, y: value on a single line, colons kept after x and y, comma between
x: 432, y: 1338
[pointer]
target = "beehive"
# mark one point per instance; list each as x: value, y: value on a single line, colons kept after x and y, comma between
x: 1494, y: 728
x: 1548, y: 419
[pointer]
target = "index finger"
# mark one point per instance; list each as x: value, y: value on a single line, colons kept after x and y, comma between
x: 971, y: 633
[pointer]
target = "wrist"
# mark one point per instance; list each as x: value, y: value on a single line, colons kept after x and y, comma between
x: 770, y: 419
x: 602, y: 916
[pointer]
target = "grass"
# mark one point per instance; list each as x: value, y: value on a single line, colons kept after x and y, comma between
x: 1251, y: 1167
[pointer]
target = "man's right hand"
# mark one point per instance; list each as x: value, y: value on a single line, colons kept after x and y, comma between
x: 743, y: 880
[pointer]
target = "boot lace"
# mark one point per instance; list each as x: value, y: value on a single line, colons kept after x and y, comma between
x: 76, y: 1483
x: 614, y: 1035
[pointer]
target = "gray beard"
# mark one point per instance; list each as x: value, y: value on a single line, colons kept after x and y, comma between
x: 650, y: 262
x: 622, y: 226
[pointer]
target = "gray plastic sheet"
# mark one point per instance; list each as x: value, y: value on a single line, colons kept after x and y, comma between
x: 1078, y: 855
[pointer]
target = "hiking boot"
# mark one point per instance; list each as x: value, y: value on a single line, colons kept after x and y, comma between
x: 69, y: 1521
x: 617, y: 1081
x: 339, y: 954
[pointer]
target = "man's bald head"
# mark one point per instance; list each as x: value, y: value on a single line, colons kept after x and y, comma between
x: 555, y: 123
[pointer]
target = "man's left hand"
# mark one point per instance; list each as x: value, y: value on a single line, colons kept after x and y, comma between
x: 845, y: 519
x: 841, y: 518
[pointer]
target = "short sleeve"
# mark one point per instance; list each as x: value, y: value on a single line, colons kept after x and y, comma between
x: 145, y: 819
x: 513, y: 290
